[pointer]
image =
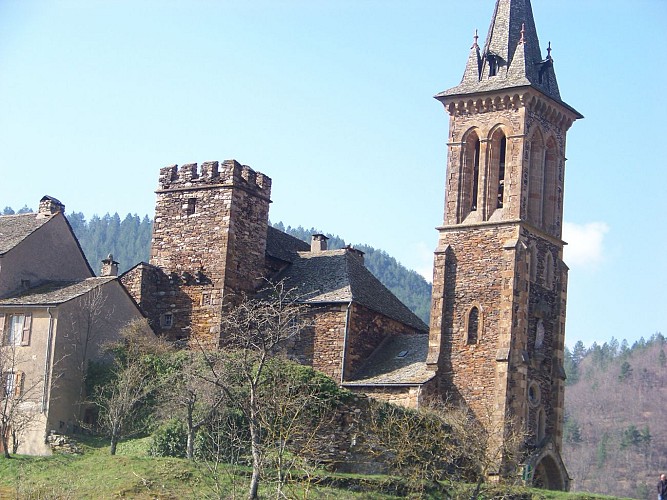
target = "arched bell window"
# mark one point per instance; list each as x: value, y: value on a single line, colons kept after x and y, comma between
x: 469, y: 178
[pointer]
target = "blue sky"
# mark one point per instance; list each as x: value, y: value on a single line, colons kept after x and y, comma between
x: 333, y: 100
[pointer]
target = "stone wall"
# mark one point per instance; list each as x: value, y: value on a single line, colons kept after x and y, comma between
x: 406, y: 396
x: 366, y: 331
x: 321, y: 345
x: 209, y: 242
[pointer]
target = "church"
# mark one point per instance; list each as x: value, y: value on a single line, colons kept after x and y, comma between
x: 496, y: 336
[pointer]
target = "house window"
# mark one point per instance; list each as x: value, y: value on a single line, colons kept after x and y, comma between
x: 8, y: 383
x: 16, y: 329
x: 167, y: 320
x: 473, y: 325
x: 12, y: 383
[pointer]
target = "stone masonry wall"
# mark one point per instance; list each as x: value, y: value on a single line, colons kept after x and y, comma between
x: 321, y: 345
x: 366, y: 331
x: 473, y: 276
x: 209, y: 240
x: 544, y: 342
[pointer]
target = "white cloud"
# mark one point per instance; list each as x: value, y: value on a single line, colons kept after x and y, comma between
x: 585, y: 243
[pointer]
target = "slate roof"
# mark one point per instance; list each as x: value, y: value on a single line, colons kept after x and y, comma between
x: 520, y: 61
x: 386, y: 367
x: 283, y: 246
x: 16, y: 228
x: 339, y: 276
x: 55, y: 292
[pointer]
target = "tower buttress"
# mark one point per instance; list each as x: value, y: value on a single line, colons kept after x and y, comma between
x: 499, y: 282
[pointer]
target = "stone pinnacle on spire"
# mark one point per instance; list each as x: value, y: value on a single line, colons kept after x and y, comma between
x: 474, y: 43
x: 523, y: 34
x: 549, y: 58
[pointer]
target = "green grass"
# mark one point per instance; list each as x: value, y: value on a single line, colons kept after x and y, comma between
x: 133, y: 474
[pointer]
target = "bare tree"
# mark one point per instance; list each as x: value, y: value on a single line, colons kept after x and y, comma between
x: 132, y: 380
x: 88, y: 321
x: 298, y: 404
x: 486, y: 452
x: 255, y: 330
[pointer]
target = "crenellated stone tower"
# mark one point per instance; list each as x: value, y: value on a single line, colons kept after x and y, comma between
x: 209, y: 243
x: 499, y: 281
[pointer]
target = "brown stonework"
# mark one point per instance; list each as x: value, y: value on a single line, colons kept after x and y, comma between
x: 208, y: 246
x: 499, y: 281
x: 366, y: 331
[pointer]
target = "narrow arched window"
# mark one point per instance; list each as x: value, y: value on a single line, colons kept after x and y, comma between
x: 549, y: 271
x: 536, y: 180
x: 475, y: 177
x: 539, y: 334
x: 501, y: 171
x: 473, y: 325
x: 550, y: 190
x: 541, y: 425
x: 469, y: 176
x: 533, y: 263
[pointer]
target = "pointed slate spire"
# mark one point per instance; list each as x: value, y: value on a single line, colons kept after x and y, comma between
x: 511, y: 56
x: 474, y: 64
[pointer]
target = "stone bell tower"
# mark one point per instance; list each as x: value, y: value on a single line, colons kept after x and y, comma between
x: 499, y: 280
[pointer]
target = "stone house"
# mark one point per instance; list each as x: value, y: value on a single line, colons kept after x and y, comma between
x: 54, y: 316
x: 212, y: 241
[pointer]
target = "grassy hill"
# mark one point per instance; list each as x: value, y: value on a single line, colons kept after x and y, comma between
x: 133, y: 474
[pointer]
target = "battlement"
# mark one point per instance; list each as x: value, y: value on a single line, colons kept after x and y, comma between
x: 210, y: 173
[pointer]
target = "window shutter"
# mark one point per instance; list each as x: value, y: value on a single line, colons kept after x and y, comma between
x: 27, y: 327
x: 2, y: 328
x: 18, y: 383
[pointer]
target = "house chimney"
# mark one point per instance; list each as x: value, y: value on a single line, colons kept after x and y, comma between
x: 49, y: 206
x: 357, y: 253
x: 109, y: 267
x: 318, y: 243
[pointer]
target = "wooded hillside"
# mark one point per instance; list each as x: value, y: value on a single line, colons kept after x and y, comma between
x: 615, y: 439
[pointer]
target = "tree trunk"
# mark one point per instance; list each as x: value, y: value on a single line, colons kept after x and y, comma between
x: 115, y: 431
x: 254, y: 446
x: 4, y: 434
x: 190, y: 449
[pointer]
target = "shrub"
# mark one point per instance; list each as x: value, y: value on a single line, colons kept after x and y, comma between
x: 169, y: 440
